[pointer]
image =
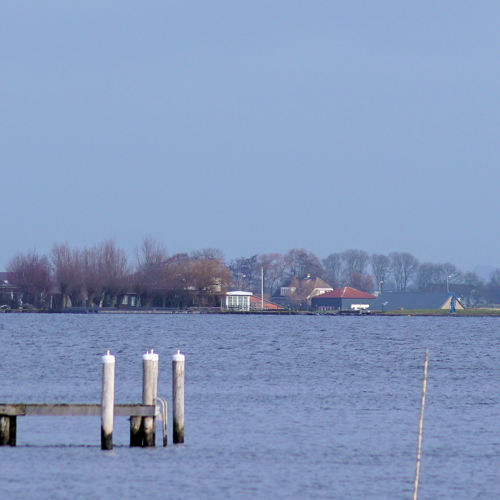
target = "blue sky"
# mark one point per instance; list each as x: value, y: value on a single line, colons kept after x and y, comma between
x: 252, y: 126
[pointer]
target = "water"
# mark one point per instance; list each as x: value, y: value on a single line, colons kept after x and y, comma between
x: 276, y: 407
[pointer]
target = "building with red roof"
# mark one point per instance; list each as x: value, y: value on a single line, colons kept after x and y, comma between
x: 343, y: 299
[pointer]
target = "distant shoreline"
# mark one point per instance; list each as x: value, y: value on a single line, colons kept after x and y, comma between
x: 467, y: 313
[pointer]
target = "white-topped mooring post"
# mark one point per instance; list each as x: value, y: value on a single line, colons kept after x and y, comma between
x: 107, y: 401
x: 178, y: 367
x: 149, y: 393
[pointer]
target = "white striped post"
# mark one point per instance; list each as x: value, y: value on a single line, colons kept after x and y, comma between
x: 107, y: 401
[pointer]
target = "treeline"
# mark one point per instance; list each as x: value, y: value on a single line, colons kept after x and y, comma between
x: 396, y: 271
x: 102, y: 275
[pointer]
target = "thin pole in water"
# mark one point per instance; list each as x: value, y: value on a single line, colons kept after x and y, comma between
x: 420, y: 424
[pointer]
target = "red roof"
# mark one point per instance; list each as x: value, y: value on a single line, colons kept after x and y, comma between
x: 257, y: 301
x: 345, y: 292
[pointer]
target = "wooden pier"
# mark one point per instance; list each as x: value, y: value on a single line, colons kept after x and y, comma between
x: 142, y: 416
x: 9, y: 413
x: 73, y: 410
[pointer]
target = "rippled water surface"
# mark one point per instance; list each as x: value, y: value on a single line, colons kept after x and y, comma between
x: 276, y: 407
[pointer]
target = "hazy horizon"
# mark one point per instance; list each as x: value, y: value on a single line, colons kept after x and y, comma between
x: 253, y: 128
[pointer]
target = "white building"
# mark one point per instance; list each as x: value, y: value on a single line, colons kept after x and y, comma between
x: 236, y: 301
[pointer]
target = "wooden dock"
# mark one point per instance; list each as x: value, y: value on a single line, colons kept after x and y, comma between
x: 10, y: 411
x: 142, y: 416
x: 73, y: 410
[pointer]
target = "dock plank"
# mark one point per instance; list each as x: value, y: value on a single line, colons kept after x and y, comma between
x: 74, y: 410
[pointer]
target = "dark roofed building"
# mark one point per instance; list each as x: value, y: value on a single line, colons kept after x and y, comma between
x: 343, y: 299
x: 394, y: 301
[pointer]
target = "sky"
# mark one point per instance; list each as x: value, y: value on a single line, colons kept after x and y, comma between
x: 253, y: 127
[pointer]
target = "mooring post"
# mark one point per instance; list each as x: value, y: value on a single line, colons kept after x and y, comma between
x: 135, y: 431
x: 178, y: 366
x: 4, y: 430
x: 12, y: 430
x: 107, y: 401
x: 149, y: 388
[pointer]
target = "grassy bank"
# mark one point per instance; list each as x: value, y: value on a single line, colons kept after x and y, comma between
x: 443, y: 312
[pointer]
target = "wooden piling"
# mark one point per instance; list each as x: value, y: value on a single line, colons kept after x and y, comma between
x: 135, y: 431
x: 12, y: 430
x: 149, y: 388
x: 107, y: 401
x: 4, y: 430
x: 178, y: 368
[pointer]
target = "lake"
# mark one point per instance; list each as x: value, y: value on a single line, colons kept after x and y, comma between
x: 276, y: 406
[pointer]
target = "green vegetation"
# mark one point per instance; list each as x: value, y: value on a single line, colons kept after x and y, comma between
x: 444, y: 312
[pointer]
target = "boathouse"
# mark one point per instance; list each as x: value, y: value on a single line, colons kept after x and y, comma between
x: 343, y: 299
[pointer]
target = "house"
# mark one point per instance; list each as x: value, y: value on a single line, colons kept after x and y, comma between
x: 394, y: 301
x: 300, y: 291
x: 343, y: 299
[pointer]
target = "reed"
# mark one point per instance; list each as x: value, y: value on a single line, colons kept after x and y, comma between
x: 420, y: 425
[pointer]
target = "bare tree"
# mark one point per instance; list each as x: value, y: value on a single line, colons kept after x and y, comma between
x: 425, y: 275
x: 299, y: 263
x: 113, y: 268
x: 380, y: 268
x: 493, y: 287
x: 273, y: 265
x: 208, y: 254
x: 474, y: 288
x: 175, y: 281
x: 362, y: 282
x: 197, y: 281
x: 353, y: 261
x: 403, y: 267
x: 210, y: 278
x: 431, y: 275
x: 150, y: 254
x: 246, y: 273
x: 67, y: 272
x: 31, y: 273
x: 149, y: 276
x: 91, y: 277
x: 333, y: 269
